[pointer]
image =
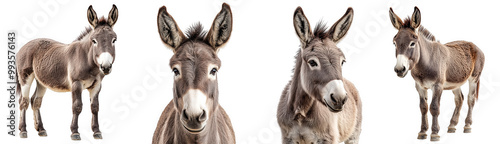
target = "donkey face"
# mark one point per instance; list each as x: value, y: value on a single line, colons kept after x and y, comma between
x: 321, y: 66
x: 406, y: 42
x: 195, y: 65
x: 103, y: 39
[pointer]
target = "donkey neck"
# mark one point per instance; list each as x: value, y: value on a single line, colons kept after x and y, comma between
x: 299, y: 102
x: 84, y: 44
x: 426, y: 48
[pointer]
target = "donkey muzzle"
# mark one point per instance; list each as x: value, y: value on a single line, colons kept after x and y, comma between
x: 334, y: 95
x: 106, y: 69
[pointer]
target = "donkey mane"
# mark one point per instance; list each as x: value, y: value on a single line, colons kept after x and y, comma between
x: 320, y: 30
x: 102, y: 22
x: 195, y: 32
x: 428, y: 35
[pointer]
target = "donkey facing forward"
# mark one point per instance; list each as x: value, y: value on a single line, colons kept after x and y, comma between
x: 437, y: 67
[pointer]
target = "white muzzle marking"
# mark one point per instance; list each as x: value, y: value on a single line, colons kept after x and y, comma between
x: 402, y: 61
x: 195, y: 102
x: 335, y: 87
x: 105, y: 59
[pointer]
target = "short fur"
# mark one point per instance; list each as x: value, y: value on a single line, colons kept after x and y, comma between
x: 438, y: 67
x: 302, y: 115
x: 193, y: 55
x: 63, y: 68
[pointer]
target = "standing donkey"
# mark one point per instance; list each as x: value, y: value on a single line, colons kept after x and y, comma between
x: 73, y: 67
x: 319, y: 106
x: 437, y: 67
x: 194, y: 114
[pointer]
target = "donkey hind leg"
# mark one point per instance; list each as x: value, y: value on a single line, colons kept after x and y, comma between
x: 24, y: 103
x: 459, y: 98
x: 77, y: 108
x: 94, y: 106
x: 471, y: 100
x: 36, y: 103
x: 422, y: 92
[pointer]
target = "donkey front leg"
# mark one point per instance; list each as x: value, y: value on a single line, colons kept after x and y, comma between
x: 437, y: 90
x: 422, y: 92
x: 77, y: 108
x: 94, y: 106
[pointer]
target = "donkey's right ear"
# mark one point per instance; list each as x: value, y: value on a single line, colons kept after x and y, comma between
x: 92, y: 16
x: 302, y: 26
x: 170, y: 33
x: 395, y: 20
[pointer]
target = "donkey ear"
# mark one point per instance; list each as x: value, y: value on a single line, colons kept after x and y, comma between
x: 340, y: 28
x: 113, y: 16
x: 92, y: 16
x: 396, y: 21
x: 170, y: 33
x: 415, y: 18
x: 302, y: 26
x: 221, y: 28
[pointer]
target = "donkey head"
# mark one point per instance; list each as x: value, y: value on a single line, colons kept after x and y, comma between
x: 103, y: 38
x: 195, y: 64
x: 321, y: 66
x: 406, y: 42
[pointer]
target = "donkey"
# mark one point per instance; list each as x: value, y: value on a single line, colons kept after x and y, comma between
x: 437, y: 67
x: 194, y: 114
x: 73, y: 67
x: 318, y: 105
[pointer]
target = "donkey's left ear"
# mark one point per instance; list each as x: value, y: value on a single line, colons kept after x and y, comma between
x: 92, y: 16
x: 340, y: 28
x: 415, y: 18
x: 221, y: 28
x: 113, y: 16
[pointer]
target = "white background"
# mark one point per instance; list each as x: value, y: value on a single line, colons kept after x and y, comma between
x: 257, y: 64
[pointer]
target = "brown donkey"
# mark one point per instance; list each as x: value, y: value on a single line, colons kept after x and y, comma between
x: 318, y: 105
x: 437, y: 67
x: 194, y: 114
x: 73, y: 67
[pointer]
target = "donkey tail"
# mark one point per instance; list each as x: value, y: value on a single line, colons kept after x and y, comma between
x: 18, y: 87
x: 477, y: 89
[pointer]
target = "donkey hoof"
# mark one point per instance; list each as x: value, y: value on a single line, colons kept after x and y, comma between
x: 467, y: 129
x: 75, y: 136
x: 422, y: 136
x: 42, y: 133
x: 97, y: 135
x: 435, y: 137
x: 23, y: 134
x: 451, y: 130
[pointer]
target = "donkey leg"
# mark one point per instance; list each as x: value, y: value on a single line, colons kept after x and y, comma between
x: 459, y: 98
x: 94, y: 106
x: 437, y: 90
x: 24, y: 103
x: 77, y: 108
x: 471, y: 100
x: 422, y: 92
x: 36, y: 103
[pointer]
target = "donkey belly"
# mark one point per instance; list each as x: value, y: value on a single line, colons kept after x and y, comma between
x: 51, y: 71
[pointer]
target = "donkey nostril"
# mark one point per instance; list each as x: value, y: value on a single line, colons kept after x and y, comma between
x: 343, y: 101
x: 184, y: 115
x: 202, y: 117
x: 404, y: 68
x: 333, y: 99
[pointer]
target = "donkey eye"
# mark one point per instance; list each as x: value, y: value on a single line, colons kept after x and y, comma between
x: 94, y: 41
x: 412, y: 44
x: 312, y: 63
x: 114, y: 40
x: 176, y: 71
x: 343, y: 61
x: 213, y: 71
x: 394, y: 42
